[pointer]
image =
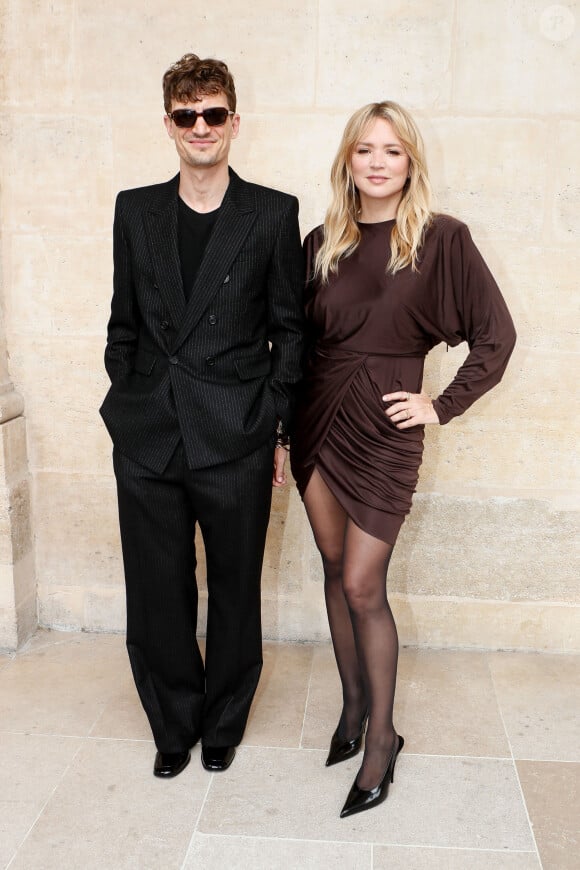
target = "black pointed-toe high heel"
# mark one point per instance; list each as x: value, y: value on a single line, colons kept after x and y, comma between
x: 360, y: 799
x: 341, y: 749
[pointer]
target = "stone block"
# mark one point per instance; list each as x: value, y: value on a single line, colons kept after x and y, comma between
x: 566, y: 211
x: 77, y: 535
x: 15, y: 522
x: 486, y: 170
x: 18, y: 613
x: 50, y: 30
x: 438, y: 621
x: 7, y: 591
x: 8, y: 630
x: 24, y: 580
x: 13, y: 458
x: 233, y: 32
x: 105, y: 609
x: 11, y: 402
x: 540, y: 286
x: 70, y: 159
x: 64, y: 382
x: 519, y: 58
x: 283, y: 574
x: 61, y: 607
x: 487, y: 555
x: 157, y: 160
x: 26, y: 618
x: 503, y: 549
x: 378, y: 51
x: 512, y: 438
x: 59, y: 285
x: 261, y: 154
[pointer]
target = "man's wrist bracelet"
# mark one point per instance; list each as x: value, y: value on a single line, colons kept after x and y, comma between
x: 282, y: 437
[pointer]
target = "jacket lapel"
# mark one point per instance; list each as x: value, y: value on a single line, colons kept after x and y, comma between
x: 236, y: 216
x: 161, y: 228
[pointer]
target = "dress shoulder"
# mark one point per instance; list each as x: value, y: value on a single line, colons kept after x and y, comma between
x: 311, y: 245
x: 443, y: 228
x: 314, y: 238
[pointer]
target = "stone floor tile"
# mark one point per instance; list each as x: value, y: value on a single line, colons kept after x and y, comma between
x: 412, y: 858
x: 456, y: 801
x: 61, y: 688
x: 123, y: 717
x: 552, y: 794
x: 241, y: 853
x: 277, y: 713
x: 445, y: 704
x: 31, y: 767
x: 59, y: 645
x: 5, y: 660
x: 538, y: 696
x: 109, y: 811
x: 324, y: 699
x: 435, y: 801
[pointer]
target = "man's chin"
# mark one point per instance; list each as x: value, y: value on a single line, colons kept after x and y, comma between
x: 197, y: 161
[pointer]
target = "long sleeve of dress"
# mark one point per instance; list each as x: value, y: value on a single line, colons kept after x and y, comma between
x: 471, y: 309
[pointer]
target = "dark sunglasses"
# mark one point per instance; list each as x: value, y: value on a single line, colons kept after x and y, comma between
x: 214, y: 117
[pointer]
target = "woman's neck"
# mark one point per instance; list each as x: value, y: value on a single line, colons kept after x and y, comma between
x: 374, y: 211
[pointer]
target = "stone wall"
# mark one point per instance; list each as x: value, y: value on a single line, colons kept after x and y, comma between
x: 487, y: 557
x: 17, y: 577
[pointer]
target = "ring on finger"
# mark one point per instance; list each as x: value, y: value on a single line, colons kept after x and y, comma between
x: 408, y: 397
x: 408, y: 415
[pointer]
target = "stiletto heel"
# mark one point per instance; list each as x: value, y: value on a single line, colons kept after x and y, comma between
x: 360, y: 799
x: 341, y: 749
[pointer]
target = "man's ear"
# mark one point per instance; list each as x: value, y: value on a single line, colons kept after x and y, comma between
x: 168, y: 126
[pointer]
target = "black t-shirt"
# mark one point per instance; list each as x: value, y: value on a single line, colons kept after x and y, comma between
x: 194, y: 230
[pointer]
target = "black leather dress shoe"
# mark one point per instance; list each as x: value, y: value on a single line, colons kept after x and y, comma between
x: 217, y: 757
x: 169, y: 764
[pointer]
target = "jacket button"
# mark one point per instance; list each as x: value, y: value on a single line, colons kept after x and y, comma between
x: 164, y: 324
x: 212, y: 319
x: 210, y: 361
x: 173, y: 360
x: 226, y: 279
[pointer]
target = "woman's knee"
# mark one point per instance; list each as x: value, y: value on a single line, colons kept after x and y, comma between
x: 362, y: 596
x: 332, y: 565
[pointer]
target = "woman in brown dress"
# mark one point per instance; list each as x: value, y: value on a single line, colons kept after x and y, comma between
x: 387, y: 280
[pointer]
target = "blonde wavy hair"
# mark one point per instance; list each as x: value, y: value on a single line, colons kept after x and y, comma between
x: 341, y: 232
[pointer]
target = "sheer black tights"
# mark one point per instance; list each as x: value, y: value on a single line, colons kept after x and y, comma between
x: 363, y: 631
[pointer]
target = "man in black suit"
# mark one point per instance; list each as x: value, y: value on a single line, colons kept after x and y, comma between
x: 203, y: 352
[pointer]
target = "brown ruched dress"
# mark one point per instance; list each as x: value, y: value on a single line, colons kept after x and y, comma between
x: 370, y: 334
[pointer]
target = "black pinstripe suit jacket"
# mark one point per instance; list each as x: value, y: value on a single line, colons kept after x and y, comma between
x: 220, y: 369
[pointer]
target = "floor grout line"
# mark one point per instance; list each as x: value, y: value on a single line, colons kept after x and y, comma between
x: 44, y: 806
x: 306, y: 702
x: 197, y: 821
x: 372, y: 843
x: 522, y: 795
x: 59, y: 736
x: 210, y: 810
x: 277, y: 748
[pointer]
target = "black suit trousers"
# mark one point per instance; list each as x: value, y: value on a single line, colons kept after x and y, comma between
x: 184, y: 698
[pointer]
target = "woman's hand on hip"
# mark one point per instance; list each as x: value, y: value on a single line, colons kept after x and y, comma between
x: 410, y: 409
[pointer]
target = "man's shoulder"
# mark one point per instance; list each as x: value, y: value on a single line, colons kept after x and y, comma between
x: 263, y: 194
x: 151, y: 193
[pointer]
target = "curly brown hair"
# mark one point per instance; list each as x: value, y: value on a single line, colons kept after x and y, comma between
x: 191, y: 78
